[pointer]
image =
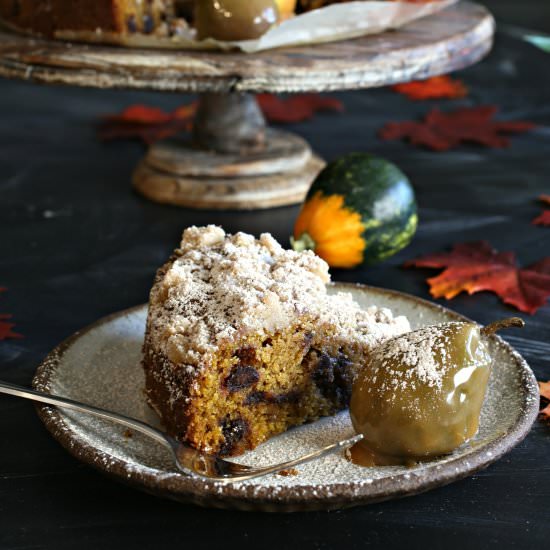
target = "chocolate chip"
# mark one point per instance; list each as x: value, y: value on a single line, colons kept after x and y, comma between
x: 131, y: 24
x: 185, y: 10
x: 148, y: 24
x: 256, y: 397
x: 241, y: 377
x: 233, y: 431
x: 247, y: 356
x: 289, y: 397
x: 267, y: 342
x: 333, y: 377
x: 16, y: 8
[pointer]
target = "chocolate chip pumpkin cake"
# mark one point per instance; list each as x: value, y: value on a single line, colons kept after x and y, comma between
x: 243, y: 341
x: 122, y: 17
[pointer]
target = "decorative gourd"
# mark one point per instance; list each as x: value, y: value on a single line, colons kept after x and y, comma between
x: 361, y: 209
x: 286, y: 8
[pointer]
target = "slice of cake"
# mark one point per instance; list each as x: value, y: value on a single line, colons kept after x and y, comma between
x: 243, y: 341
x: 124, y: 17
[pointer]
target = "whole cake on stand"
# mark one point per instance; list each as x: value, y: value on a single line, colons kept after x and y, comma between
x: 233, y: 160
x: 46, y: 17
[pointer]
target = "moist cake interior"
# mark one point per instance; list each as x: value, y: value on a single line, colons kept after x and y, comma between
x: 254, y: 390
x: 243, y: 341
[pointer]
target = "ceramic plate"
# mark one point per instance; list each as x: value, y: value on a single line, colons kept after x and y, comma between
x: 101, y: 365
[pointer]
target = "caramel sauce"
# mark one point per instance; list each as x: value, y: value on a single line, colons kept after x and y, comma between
x: 406, y: 419
x: 361, y: 455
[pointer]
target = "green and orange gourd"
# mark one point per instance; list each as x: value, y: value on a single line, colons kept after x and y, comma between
x: 360, y: 210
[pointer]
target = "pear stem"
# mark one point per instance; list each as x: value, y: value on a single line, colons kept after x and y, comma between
x: 516, y: 322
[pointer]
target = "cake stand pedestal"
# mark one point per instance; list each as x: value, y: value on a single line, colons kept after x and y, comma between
x: 233, y: 160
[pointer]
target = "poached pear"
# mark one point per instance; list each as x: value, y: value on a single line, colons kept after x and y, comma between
x: 420, y: 394
x: 232, y: 20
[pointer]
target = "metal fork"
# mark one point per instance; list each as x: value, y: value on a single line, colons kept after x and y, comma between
x: 188, y: 460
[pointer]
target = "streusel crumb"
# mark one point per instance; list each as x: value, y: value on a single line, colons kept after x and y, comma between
x: 243, y: 340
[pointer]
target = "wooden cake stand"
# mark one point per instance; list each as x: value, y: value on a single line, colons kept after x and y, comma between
x: 233, y: 160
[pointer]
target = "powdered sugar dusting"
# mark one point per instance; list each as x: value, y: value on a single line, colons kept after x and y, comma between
x: 220, y: 287
x: 421, y: 354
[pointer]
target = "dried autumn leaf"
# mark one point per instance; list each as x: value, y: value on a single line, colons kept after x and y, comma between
x: 147, y: 123
x: 151, y: 124
x: 141, y: 114
x: 544, y: 388
x: 437, y: 87
x: 5, y: 327
x: 476, y: 266
x: 543, y: 219
x: 296, y: 108
x: 443, y: 131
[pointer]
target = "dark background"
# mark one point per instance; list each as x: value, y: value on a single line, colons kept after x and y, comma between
x: 534, y: 14
x: 76, y: 244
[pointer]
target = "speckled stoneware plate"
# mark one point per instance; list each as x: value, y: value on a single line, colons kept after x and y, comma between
x: 101, y: 365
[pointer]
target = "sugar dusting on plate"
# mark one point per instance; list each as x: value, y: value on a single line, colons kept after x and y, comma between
x: 102, y: 367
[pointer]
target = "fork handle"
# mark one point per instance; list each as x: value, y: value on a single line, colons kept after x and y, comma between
x: 33, y: 395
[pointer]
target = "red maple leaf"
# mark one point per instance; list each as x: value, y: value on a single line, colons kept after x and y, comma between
x: 296, y: 108
x: 147, y: 123
x: 151, y: 124
x: 475, y: 267
x: 544, y: 388
x: 6, y: 328
x: 437, y: 87
x: 443, y: 131
x: 544, y: 218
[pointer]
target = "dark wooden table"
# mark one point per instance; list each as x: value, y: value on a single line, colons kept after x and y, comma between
x: 76, y: 244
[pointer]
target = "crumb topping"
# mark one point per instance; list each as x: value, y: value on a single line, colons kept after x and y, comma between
x: 418, y: 357
x: 221, y: 287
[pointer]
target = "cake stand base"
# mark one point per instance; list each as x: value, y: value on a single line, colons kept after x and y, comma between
x: 246, y: 193
x: 233, y: 161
